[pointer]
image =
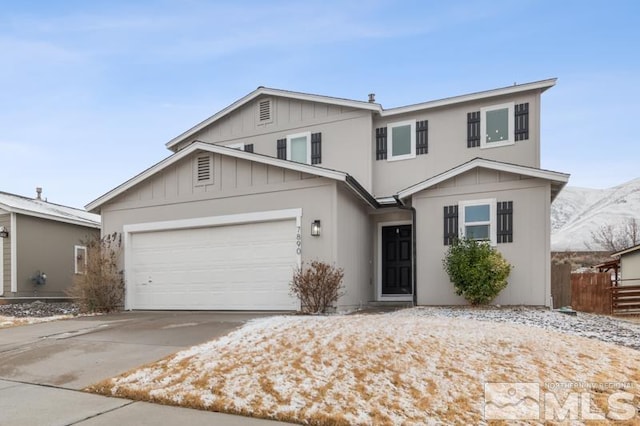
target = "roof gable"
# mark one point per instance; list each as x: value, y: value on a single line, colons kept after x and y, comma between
x: 558, y: 180
x: 43, y: 209
x: 231, y: 152
x: 541, y: 85
x: 266, y: 91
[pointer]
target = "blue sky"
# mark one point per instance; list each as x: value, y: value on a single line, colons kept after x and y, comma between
x: 90, y: 91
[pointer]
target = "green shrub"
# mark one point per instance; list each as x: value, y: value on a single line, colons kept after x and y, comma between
x: 477, y: 270
x: 318, y: 286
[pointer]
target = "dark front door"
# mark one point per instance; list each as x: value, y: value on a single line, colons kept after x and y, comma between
x: 396, y: 260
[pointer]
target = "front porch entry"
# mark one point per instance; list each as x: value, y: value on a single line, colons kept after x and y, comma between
x: 395, y: 255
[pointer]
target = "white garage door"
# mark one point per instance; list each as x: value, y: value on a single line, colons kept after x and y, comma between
x: 232, y: 267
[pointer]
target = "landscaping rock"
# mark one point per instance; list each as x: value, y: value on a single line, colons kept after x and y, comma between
x: 38, y: 309
x: 601, y: 327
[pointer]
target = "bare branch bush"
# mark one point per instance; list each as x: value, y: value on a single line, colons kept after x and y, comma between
x: 616, y: 237
x: 101, y: 287
x: 318, y: 286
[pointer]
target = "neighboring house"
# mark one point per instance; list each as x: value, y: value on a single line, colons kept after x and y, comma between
x: 279, y: 178
x: 629, y: 265
x: 41, y: 246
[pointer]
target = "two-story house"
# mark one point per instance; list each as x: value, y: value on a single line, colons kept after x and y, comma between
x: 279, y: 178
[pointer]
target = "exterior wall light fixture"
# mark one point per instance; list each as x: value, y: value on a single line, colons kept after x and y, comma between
x: 315, y: 228
x: 40, y: 278
x: 4, y: 233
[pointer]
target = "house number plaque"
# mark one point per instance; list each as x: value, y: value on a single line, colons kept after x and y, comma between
x: 299, y: 241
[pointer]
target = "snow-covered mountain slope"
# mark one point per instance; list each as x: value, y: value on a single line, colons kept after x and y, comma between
x: 577, y: 212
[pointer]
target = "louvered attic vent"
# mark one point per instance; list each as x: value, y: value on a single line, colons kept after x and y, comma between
x: 204, y: 169
x: 264, y: 111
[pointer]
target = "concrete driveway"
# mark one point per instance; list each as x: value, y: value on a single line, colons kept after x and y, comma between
x: 43, y: 366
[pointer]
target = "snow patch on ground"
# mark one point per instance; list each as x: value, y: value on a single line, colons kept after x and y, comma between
x: 417, y: 366
x: 600, y: 327
x: 6, y: 322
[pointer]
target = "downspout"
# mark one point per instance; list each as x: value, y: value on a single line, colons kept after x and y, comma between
x: 412, y: 209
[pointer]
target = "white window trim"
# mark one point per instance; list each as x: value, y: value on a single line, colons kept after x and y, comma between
x: 13, y: 236
x: 239, y: 146
x: 510, y: 106
x: 299, y: 135
x: 76, y: 249
x: 412, y: 154
x: 491, y: 222
x: 195, y: 170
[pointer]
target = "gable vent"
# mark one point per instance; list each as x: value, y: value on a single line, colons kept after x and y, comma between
x: 203, y: 169
x: 264, y: 111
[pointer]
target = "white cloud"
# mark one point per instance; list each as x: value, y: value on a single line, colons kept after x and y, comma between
x: 196, y: 30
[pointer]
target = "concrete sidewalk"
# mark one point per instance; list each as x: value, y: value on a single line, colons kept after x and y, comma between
x: 24, y: 404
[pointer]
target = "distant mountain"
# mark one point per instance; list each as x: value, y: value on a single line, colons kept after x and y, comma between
x: 577, y: 212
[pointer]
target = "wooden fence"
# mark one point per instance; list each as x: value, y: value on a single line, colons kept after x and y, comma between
x: 625, y: 299
x: 561, y: 284
x: 591, y: 292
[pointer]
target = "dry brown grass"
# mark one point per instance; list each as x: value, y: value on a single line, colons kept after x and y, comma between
x: 8, y: 322
x: 360, y: 370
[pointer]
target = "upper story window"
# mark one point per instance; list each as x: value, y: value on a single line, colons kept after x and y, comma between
x: 478, y: 220
x: 402, y: 140
x: 498, y: 125
x: 299, y: 147
x: 241, y: 146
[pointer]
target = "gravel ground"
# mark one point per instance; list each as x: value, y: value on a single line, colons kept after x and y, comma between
x: 607, y: 329
x: 600, y: 327
x: 38, y: 309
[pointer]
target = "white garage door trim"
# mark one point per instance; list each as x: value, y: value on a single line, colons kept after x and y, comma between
x: 202, y: 222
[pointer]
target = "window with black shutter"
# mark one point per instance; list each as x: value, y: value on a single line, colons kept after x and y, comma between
x: 381, y: 143
x: 316, y: 148
x: 504, y: 219
x: 522, y: 121
x: 498, y: 125
x: 281, y: 148
x: 248, y: 147
x: 422, y: 137
x: 450, y: 224
x: 473, y: 129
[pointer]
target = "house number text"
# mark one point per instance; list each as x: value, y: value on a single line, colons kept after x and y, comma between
x: 299, y: 241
